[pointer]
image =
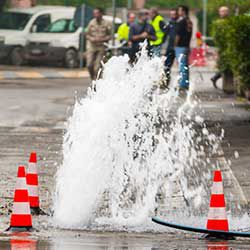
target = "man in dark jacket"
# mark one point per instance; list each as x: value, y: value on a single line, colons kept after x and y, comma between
x: 183, y: 36
x: 139, y: 32
x: 170, y: 37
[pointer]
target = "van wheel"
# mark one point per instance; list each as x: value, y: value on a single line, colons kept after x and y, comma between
x: 16, y: 56
x: 70, y: 58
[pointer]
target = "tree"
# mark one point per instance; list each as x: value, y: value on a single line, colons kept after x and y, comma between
x: 174, y: 3
x: 2, y: 4
x: 92, y: 3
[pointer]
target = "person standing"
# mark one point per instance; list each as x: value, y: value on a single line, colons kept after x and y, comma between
x: 183, y: 36
x: 123, y: 30
x: 98, y: 32
x: 159, y: 25
x: 223, y: 13
x: 139, y: 32
x: 170, y: 37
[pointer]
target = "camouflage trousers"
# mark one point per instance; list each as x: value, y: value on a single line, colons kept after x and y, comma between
x: 94, y: 58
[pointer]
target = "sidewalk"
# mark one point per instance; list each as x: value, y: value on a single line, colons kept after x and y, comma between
x: 231, y: 114
x: 224, y: 109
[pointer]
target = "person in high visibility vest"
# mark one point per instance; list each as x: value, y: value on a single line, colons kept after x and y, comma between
x: 159, y: 25
x: 123, y: 30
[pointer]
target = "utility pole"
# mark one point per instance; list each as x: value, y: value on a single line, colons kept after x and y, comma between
x: 113, y: 22
x: 82, y: 35
x: 204, y: 19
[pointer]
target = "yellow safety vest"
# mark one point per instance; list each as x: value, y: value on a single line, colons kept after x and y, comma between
x: 123, y: 32
x: 158, y: 32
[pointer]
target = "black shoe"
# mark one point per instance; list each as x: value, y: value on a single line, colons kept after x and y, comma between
x: 214, y: 82
x: 183, y: 92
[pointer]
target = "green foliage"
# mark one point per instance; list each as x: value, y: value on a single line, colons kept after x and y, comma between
x: 239, y: 48
x: 92, y: 3
x: 220, y: 35
x: 122, y: 3
x: 232, y: 37
x: 232, y: 4
x: 174, y: 3
x: 3, y: 4
x: 235, y: 6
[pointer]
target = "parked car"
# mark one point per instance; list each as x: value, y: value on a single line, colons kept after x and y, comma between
x: 59, y: 42
x: 17, y: 24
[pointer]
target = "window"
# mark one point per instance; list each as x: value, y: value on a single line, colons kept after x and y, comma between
x: 14, y: 20
x: 42, y: 22
x: 72, y: 27
x: 61, y: 26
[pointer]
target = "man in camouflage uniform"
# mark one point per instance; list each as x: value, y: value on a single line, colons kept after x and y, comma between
x: 98, y: 32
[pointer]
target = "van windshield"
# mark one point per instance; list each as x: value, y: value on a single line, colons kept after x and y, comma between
x: 14, y: 20
x: 62, y: 26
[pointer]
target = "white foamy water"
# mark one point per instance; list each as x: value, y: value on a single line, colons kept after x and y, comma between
x: 126, y: 144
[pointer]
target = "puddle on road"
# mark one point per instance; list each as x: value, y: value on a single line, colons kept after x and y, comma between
x: 67, y: 240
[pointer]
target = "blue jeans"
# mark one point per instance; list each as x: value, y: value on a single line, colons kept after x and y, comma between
x: 170, y: 56
x: 181, y: 54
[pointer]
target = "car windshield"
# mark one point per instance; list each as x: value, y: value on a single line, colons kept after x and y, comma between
x: 61, y: 26
x: 14, y: 20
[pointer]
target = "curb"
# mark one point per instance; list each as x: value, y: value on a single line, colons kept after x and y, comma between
x: 4, y: 75
x: 53, y: 74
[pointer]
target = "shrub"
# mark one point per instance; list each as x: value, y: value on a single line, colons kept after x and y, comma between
x: 220, y: 34
x: 239, y: 48
x: 232, y: 37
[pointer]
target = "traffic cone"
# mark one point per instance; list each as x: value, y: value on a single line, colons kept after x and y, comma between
x: 23, y: 244
x: 217, y: 217
x: 21, y: 219
x: 223, y: 245
x: 32, y: 182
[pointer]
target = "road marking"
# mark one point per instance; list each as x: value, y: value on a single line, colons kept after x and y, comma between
x: 29, y: 74
x: 74, y: 74
x: 43, y: 74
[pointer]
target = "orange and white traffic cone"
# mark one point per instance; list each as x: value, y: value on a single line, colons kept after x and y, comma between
x: 23, y: 244
x: 32, y: 182
x: 217, y: 245
x: 21, y: 219
x: 217, y: 217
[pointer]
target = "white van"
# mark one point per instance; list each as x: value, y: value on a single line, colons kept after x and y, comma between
x: 17, y: 24
x: 59, y: 42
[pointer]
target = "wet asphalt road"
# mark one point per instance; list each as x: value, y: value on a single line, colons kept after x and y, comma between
x: 32, y: 117
x: 120, y: 241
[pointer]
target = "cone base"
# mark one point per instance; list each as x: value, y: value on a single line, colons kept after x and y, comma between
x: 37, y: 211
x: 218, y: 236
x: 19, y: 229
